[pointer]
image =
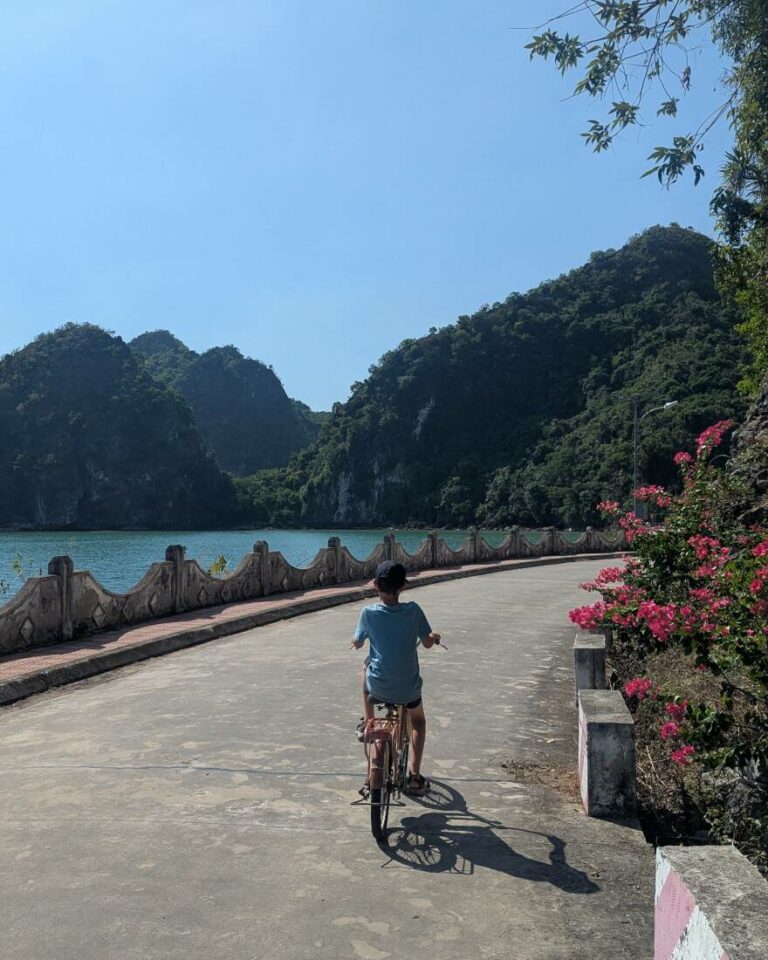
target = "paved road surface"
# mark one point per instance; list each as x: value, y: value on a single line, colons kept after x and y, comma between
x: 196, y: 807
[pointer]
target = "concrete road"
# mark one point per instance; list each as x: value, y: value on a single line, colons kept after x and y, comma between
x: 197, y: 807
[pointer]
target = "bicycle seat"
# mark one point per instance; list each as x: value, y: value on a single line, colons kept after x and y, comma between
x: 383, y: 703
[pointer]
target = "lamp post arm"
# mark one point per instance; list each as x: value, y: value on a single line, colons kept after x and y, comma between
x: 652, y: 410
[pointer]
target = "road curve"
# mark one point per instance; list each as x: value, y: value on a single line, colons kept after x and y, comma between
x: 198, y: 806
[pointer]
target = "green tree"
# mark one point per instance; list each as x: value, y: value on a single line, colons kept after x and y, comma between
x: 637, y: 52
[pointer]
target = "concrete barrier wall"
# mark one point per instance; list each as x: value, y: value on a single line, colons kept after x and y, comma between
x: 606, y: 754
x: 589, y: 663
x: 711, y: 904
x: 68, y: 604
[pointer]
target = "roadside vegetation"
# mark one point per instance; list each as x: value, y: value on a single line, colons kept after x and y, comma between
x: 689, y: 618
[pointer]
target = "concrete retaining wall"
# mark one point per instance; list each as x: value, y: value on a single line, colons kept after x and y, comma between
x: 711, y: 904
x: 606, y: 754
x: 589, y: 663
x: 68, y: 604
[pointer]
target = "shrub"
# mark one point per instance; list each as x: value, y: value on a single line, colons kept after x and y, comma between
x: 698, y: 583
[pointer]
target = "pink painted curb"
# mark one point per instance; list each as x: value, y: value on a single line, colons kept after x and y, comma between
x: 711, y: 904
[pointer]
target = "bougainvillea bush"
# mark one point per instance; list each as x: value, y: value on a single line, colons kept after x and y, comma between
x: 689, y: 615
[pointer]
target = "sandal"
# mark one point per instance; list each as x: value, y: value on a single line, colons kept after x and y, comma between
x: 365, y: 790
x: 416, y: 785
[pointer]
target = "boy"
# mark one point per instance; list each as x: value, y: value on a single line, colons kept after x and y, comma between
x: 391, y: 672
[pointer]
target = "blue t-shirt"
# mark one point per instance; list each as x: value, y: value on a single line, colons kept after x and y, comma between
x: 393, y: 671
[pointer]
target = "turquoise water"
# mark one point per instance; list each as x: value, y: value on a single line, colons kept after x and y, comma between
x: 119, y: 559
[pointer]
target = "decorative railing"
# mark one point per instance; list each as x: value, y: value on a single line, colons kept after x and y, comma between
x: 68, y: 604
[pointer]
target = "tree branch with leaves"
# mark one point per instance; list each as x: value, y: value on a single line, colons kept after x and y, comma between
x: 640, y: 51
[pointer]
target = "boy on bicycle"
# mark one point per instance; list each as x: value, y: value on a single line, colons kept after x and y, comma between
x: 391, y: 671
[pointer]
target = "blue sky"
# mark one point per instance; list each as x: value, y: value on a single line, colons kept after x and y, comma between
x: 311, y: 181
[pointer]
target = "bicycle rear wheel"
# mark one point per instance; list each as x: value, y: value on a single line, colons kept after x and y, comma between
x: 381, y: 796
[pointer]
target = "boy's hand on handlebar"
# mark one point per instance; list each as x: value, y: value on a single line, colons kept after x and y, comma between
x: 435, y: 638
x: 356, y: 644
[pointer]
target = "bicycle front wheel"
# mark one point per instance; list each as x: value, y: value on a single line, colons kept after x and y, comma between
x: 382, y: 796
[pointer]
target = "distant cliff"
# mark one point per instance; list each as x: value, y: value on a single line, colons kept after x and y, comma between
x: 89, y: 439
x: 239, y: 403
x: 522, y: 412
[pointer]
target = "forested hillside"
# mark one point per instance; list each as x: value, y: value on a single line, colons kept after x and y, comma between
x: 239, y: 404
x: 89, y: 439
x: 522, y: 412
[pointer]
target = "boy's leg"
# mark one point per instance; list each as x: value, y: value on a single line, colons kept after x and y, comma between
x: 367, y: 705
x: 418, y: 734
x: 367, y: 709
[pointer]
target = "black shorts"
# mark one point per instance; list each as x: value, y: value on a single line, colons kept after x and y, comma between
x: 408, y: 706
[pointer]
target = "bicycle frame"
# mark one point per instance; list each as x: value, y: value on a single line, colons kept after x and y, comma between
x: 393, y: 728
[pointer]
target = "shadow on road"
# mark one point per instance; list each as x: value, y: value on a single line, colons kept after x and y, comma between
x: 450, y: 838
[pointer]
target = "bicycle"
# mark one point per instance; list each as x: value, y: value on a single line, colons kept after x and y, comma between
x: 387, y: 742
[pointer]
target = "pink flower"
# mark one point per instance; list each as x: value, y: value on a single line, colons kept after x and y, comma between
x: 702, y: 545
x: 627, y: 620
x: 640, y: 687
x: 660, y: 618
x: 589, y: 617
x: 712, y: 437
x: 761, y: 549
x: 609, y: 507
x: 632, y: 526
x: 627, y: 595
x: 653, y: 494
x: 684, y: 754
x: 682, y: 458
x: 703, y: 593
x: 669, y: 730
x: 610, y: 575
x: 676, y: 710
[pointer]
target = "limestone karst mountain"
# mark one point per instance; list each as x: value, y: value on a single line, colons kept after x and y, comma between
x: 239, y: 403
x: 89, y: 439
x: 522, y: 412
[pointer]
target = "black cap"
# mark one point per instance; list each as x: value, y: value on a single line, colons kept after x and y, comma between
x: 390, y: 575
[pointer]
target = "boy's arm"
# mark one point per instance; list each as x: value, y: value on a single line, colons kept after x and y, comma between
x: 358, y: 640
x: 427, y: 635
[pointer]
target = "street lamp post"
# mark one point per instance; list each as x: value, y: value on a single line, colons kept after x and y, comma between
x: 637, y: 420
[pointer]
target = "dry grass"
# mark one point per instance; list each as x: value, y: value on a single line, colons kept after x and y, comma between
x: 560, y: 778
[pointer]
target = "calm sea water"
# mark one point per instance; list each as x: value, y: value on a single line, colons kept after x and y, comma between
x: 119, y: 559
